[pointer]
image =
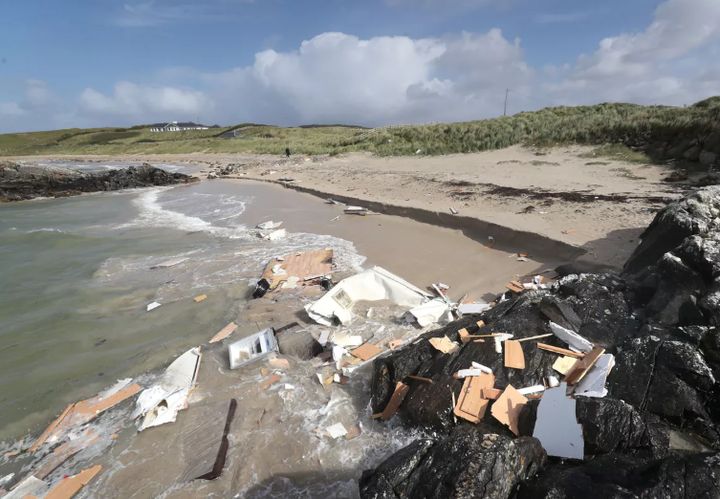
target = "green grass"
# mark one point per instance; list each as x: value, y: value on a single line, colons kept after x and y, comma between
x: 622, y: 131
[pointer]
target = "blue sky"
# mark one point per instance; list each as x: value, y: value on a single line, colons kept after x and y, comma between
x: 375, y: 62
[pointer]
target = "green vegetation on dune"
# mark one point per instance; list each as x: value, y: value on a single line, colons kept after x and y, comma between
x: 632, y: 131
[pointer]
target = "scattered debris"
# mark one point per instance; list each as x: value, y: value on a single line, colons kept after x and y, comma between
x: 317, y: 263
x: 536, y: 337
x: 79, y: 413
x: 420, y: 378
x: 581, y: 368
x: 269, y: 225
x: 531, y: 389
x: 253, y: 347
x: 278, y: 363
x: 556, y: 425
x: 514, y: 356
x: 224, y: 332
x: 473, y: 308
x: 169, y: 263
x: 200, y: 298
x: 65, y: 451
x: 353, y: 432
x: 471, y: 405
x: 370, y: 285
x: 206, y: 452
x: 593, y: 384
x: 396, y: 400
x: 559, y: 350
x: 430, y: 312
x: 356, y: 210
x: 268, y: 382
x: 274, y: 235
x: 453, y: 211
x: 71, y: 485
x: 443, y: 344
x: 571, y: 338
x: 507, y: 408
x: 160, y: 403
x: 366, y: 351
x: 336, y: 431
x: 515, y: 286
x: 152, y: 306
x: 499, y: 339
x: 347, y: 340
x: 564, y: 364
x: 30, y: 486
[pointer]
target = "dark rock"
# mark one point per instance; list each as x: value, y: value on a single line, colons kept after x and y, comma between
x: 18, y: 182
x: 468, y: 463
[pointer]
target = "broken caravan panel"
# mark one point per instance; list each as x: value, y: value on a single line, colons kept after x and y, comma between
x: 370, y: 285
x: 253, y: 347
x: 556, y: 425
x: 160, y: 403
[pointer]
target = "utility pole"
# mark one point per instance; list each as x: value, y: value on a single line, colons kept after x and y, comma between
x: 507, y: 91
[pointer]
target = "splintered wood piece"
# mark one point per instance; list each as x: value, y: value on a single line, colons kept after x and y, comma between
x: 269, y: 381
x: 491, y: 393
x: 507, y: 408
x: 480, y: 324
x: 563, y: 365
x: 561, y: 351
x: 224, y: 332
x: 200, y: 298
x: 366, y: 351
x: 582, y: 366
x: 529, y: 338
x: 515, y: 286
x: 69, y: 486
x: 514, y: 356
x: 401, y: 390
x: 471, y: 405
x: 464, y: 335
x: 443, y: 344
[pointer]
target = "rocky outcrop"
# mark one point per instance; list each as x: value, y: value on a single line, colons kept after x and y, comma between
x: 18, y: 182
x: 655, y: 434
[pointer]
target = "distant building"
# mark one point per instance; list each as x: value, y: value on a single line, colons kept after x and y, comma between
x: 174, y: 126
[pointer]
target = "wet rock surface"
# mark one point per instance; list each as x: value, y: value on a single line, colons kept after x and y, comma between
x: 655, y: 434
x: 19, y: 182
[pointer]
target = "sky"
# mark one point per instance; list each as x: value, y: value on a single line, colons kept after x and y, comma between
x: 87, y: 63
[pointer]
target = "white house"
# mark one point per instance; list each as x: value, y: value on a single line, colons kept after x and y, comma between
x: 174, y: 126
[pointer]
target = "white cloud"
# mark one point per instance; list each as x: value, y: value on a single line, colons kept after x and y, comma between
x: 564, y: 17
x: 11, y: 109
x: 141, y: 102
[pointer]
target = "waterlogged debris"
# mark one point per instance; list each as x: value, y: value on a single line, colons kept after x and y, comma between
x: 200, y: 298
x: 561, y: 351
x: 324, y: 337
x: 251, y: 348
x: 443, y: 344
x: 82, y: 412
x: 593, y: 384
x: 71, y: 485
x: 315, y: 265
x: 347, y: 340
x: 396, y: 399
x: 275, y: 235
x: 336, y: 431
x: 514, y: 356
x: 430, y: 312
x: 160, y: 403
x: 471, y: 405
x: 356, y: 210
x: 152, y: 306
x: 371, y: 285
x: 556, y: 425
x: 269, y: 381
x: 30, y: 486
x: 269, y: 225
x: 169, y: 263
x: 65, y: 451
x: 278, y: 363
x: 224, y: 332
x: 208, y: 444
x: 581, y: 368
x: 453, y: 211
x: 366, y: 351
x: 515, y: 287
x: 507, y: 408
x: 564, y: 364
x: 573, y: 339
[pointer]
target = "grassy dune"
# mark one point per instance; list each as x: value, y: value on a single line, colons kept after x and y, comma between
x: 659, y: 131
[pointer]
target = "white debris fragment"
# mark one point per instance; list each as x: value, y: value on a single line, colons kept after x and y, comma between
x: 573, y: 339
x: 336, y: 431
x: 473, y: 308
x: 499, y: 341
x: 531, y: 389
x: 483, y: 368
x: 152, y: 306
x: 593, y: 383
x: 269, y: 225
x: 275, y: 235
x: 431, y: 312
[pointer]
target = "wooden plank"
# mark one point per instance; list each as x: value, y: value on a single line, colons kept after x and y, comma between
x: 471, y: 405
x: 561, y: 351
x: 491, y: 393
x: 301, y: 265
x: 514, y: 356
x: 563, y: 365
x: 464, y: 335
x: 366, y: 351
x: 50, y: 429
x: 443, y: 344
x: 200, y: 298
x: 224, y: 332
x: 268, y: 382
x: 507, y: 408
x: 537, y: 337
x: 69, y: 486
x: 515, y: 287
x: 396, y: 399
x: 420, y: 378
x: 581, y: 367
